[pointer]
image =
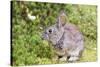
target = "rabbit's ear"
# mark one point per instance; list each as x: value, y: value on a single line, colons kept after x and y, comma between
x: 62, y: 18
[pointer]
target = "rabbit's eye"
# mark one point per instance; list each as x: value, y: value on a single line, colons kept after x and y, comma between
x: 50, y: 30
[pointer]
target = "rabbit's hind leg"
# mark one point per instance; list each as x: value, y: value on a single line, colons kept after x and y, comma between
x: 74, y: 56
x: 73, y: 59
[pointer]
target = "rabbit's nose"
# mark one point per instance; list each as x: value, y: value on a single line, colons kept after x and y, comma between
x: 45, y: 32
x: 45, y: 37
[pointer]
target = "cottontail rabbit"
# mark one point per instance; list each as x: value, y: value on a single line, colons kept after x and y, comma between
x: 66, y: 39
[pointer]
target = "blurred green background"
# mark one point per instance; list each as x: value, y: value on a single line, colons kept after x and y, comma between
x: 27, y: 46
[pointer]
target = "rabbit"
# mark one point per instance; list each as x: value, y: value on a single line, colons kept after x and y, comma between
x: 67, y: 40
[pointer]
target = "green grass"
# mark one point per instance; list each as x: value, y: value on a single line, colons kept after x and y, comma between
x: 89, y: 56
x: 27, y: 46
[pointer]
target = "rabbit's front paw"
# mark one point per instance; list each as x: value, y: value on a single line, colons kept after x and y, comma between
x: 63, y: 59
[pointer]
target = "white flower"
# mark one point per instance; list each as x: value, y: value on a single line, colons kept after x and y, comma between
x: 31, y: 17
